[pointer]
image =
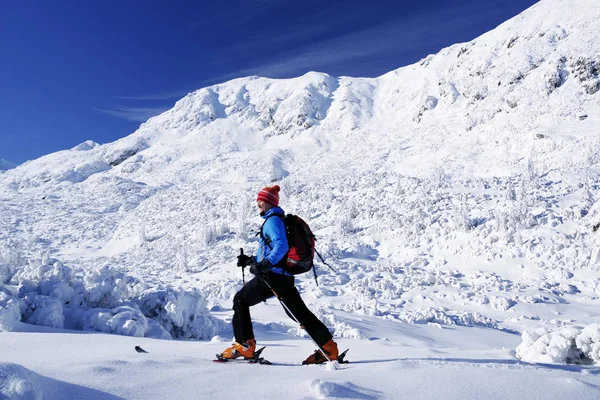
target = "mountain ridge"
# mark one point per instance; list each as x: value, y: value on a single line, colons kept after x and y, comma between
x: 515, y: 75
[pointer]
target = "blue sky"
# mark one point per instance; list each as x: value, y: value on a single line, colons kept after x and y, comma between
x: 94, y: 70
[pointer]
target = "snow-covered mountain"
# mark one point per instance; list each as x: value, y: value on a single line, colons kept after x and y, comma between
x: 477, y: 107
x: 461, y: 190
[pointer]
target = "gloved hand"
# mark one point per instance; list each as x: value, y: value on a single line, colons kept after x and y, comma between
x: 260, y: 268
x: 243, y: 260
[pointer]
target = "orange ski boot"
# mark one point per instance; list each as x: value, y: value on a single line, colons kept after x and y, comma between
x: 237, y: 350
x: 318, y: 358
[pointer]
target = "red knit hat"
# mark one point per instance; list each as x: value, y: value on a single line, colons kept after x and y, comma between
x: 269, y: 194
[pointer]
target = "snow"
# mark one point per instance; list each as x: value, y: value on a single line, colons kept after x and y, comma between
x: 456, y: 200
x: 417, y: 361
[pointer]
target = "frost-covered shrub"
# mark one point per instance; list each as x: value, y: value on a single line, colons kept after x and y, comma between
x: 212, y: 232
x: 501, y: 303
x: 462, y: 218
x: 589, y: 342
x: 52, y: 270
x: 182, y: 314
x: 559, y: 346
x: 346, y: 225
x: 106, y: 300
x: 244, y: 213
x: 42, y: 310
x: 105, y: 287
x: 446, y: 317
x: 10, y: 312
x: 122, y: 320
x: 52, y: 288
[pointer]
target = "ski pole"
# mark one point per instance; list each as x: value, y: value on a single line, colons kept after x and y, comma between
x: 296, y: 319
x: 243, y: 266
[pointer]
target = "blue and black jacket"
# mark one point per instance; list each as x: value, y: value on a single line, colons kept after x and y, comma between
x: 273, y: 244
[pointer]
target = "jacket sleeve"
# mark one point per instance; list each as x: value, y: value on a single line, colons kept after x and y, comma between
x: 274, y: 230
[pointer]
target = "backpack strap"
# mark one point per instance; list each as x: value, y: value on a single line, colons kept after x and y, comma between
x: 267, y: 240
x: 264, y: 238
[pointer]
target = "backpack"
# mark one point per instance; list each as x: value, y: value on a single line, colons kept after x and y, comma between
x: 301, y: 242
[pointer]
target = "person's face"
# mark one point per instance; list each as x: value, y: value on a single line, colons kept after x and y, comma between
x: 263, y: 206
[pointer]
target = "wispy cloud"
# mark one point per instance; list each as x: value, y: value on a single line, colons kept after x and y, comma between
x: 389, y: 38
x: 332, y: 52
x: 138, y: 114
x: 330, y: 47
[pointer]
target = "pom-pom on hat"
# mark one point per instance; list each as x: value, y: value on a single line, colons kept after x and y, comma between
x: 269, y: 194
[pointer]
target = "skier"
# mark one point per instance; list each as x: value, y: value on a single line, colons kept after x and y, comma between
x: 269, y: 264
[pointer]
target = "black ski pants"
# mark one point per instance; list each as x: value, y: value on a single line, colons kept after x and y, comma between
x: 256, y: 291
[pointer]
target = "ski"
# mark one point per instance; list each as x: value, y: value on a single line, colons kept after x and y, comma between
x: 255, y: 359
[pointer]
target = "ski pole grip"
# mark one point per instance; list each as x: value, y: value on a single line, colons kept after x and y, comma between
x: 241, y: 251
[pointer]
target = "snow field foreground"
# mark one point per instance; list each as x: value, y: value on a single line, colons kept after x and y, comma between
x: 415, y: 361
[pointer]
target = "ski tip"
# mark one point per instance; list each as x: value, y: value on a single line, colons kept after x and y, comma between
x: 340, y: 358
x: 257, y: 352
x: 139, y: 349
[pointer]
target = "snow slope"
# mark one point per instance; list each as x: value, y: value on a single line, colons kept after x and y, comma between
x: 456, y: 199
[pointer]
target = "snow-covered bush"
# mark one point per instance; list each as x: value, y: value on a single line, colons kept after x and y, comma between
x: 42, y: 310
x: 462, y: 219
x: 446, y: 317
x: 212, y: 232
x: 568, y: 344
x: 105, y: 300
x: 122, y: 320
x: 51, y: 270
x: 10, y: 312
x: 105, y: 287
x: 589, y: 342
x: 183, y: 314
